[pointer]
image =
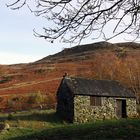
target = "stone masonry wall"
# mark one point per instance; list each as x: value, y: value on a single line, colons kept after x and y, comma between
x: 131, y: 108
x: 84, y: 112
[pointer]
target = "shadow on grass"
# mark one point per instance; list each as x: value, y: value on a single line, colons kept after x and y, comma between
x: 124, y: 130
x: 50, y: 117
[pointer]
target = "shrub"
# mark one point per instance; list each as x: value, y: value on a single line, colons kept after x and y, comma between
x: 10, y: 116
x: 35, y: 98
x: 15, y: 99
x: 40, y: 71
x: 120, y: 52
x: 1, y: 99
x: 10, y: 104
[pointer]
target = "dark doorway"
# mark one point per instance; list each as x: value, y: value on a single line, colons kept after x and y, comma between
x: 121, y: 108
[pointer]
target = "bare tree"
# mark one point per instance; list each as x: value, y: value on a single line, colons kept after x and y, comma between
x: 134, y: 76
x: 74, y: 20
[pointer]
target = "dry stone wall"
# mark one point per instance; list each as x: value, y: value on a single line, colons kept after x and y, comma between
x: 84, y: 112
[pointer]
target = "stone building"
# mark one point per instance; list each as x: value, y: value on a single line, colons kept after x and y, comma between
x: 82, y: 100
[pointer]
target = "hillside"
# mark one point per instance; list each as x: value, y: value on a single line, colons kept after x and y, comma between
x: 87, y: 50
x: 102, y: 60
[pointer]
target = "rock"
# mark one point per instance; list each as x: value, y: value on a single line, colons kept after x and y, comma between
x: 4, y: 126
x: 7, y: 126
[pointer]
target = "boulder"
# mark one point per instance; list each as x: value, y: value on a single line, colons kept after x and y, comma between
x: 4, y: 126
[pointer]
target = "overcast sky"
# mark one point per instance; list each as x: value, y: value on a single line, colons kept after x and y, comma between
x: 17, y: 42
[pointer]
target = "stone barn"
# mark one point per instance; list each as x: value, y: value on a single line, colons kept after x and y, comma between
x: 82, y: 100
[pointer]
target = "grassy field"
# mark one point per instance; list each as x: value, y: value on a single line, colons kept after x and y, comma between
x: 44, y: 125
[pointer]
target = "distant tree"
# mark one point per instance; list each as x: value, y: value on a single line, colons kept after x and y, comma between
x: 74, y: 20
x: 134, y: 76
x: 103, y: 68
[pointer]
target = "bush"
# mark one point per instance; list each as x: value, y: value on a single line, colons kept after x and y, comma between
x: 1, y: 99
x: 35, y: 98
x: 120, y: 52
x: 10, y: 104
x: 15, y: 99
x: 10, y: 116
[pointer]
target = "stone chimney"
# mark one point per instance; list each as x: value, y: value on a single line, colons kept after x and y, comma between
x: 65, y: 75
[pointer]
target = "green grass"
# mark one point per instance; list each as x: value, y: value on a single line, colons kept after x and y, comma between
x: 44, y: 125
x: 33, y: 119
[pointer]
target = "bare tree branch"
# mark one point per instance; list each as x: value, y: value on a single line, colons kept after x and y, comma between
x: 74, y: 20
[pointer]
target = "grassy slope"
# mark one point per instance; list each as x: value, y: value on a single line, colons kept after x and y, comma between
x: 44, y: 125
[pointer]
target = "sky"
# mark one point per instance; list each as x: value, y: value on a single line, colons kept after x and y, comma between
x: 17, y: 42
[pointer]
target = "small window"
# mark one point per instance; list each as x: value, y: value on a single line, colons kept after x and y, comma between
x: 95, y: 101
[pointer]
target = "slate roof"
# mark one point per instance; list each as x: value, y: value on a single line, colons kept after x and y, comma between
x: 104, y: 88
